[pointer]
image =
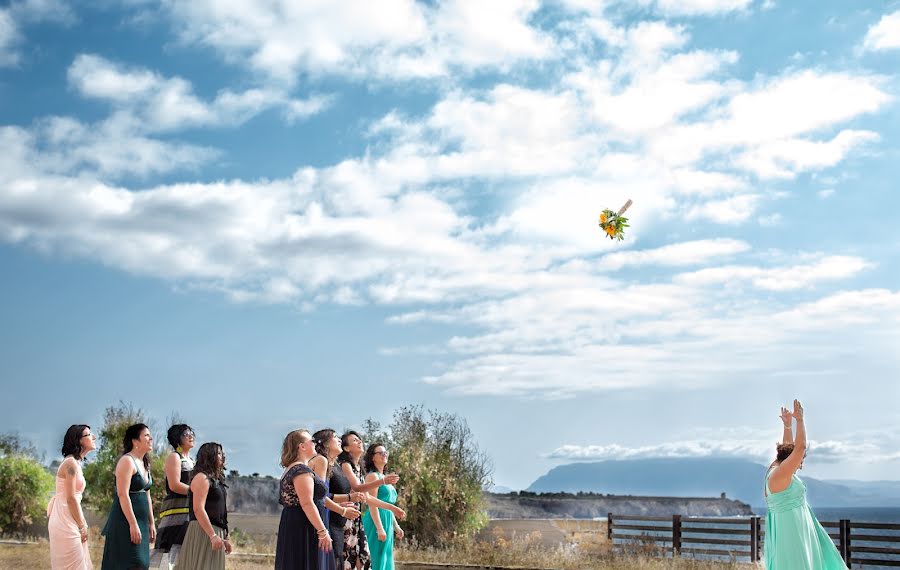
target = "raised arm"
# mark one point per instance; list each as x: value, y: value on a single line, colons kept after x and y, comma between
x: 781, y: 476
x: 787, y: 438
x: 357, y: 485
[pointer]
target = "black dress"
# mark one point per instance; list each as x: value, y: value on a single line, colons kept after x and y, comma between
x: 338, y: 485
x: 298, y: 544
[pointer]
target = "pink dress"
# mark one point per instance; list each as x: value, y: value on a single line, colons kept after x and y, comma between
x: 67, y: 552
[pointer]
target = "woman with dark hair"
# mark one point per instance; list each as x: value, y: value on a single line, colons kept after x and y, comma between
x: 379, y: 524
x: 356, y: 547
x: 794, y: 538
x: 129, y: 528
x: 301, y: 532
x: 206, y: 541
x: 173, y: 520
x: 67, y: 526
x: 328, y: 447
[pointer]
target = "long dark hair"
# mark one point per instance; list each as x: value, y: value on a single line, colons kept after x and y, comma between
x: 175, y: 433
x: 132, y: 433
x: 72, y: 441
x: 208, y: 462
x: 369, y: 457
x: 322, y: 437
x: 345, y: 456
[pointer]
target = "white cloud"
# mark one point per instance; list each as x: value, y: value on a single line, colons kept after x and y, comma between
x: 167, y: 104
x: 677, y: 254
x: 9, y: 38
x: 778, y: 278
x: 865, y: 448
x: 787, y: 158
x: 701, y: 7
x: 392, y: 39
x: 885, y: 34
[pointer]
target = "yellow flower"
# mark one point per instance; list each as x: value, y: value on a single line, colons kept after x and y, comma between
x: 602, y: 218
x: 611, y: 231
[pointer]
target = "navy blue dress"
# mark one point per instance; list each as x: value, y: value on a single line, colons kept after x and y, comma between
x: 298, y: 544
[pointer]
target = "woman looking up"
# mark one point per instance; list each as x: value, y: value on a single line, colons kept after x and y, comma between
x: 206, y: 540
x: 794, y: 538
x: 129, y: 528
x: 301, y: 531
x: 328, y: 447
x: 173, y: 520
x: 67, y: 526
x: 356, y: 548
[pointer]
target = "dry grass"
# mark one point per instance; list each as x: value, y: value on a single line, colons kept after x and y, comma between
x: 557, y: 544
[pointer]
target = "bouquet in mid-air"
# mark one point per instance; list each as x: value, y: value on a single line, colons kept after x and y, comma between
x: 613, y: 224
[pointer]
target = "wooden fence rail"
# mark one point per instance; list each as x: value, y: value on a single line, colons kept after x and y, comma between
x: 861, y: 544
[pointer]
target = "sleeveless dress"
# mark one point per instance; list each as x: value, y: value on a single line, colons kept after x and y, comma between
x: 794, y: 538
x: 174, y: 515
x: 382, y: 552
x: 197, y: 552
x: 118, y: 551
x: 67, y: 552
x: 356, y: 548
x: 298, y: 546
x: 338, y: 484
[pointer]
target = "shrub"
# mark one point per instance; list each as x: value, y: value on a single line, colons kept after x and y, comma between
x: 25, y: 488
x: 442, y: 473
x: 100, y: 470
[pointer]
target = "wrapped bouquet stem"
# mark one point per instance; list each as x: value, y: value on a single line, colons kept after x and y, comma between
x: 613, y: 224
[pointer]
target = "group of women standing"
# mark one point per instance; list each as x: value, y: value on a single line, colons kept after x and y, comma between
x: 326, y: 481
x: 322, y: 493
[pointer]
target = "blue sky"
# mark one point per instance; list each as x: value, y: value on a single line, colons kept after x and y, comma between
x: 267, y: 215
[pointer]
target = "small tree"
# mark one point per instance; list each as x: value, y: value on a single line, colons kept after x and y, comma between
x: 100, y: 471
x: 25, y: 485
x: 442, y: 472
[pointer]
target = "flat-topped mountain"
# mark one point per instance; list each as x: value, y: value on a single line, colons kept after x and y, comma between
x: 705, y: 477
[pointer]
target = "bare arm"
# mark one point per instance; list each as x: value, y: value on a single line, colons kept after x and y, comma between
x: 69, y: 470
x: 173, y: 474
x: 303, y: 486
x: 781, y: 476
x: 356, y: 485
x: 787, y: 437
x: 125, y: 469
x: 199, y: 493
x: 378, y: 503
x: 373, y: 510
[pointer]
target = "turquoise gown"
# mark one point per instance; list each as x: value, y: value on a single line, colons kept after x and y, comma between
x: 794, y: 538
x: 382, y: 552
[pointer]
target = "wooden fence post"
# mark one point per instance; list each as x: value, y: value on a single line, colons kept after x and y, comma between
x: 754, y: 539
x: 844, y: 535
x: 609, y: 526
x: 676, y: 535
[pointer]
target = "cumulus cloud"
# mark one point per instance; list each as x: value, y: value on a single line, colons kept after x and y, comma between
x: 865, y: 449
x: 393, y: 39
x: 885, y: 34
x: 169, y: 103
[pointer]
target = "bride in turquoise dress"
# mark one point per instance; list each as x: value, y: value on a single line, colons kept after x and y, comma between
x: 794, y: 538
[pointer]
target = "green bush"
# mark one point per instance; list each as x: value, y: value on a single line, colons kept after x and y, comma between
x: 100, y: 469
x: 442, y: 473
x: 25, y: 488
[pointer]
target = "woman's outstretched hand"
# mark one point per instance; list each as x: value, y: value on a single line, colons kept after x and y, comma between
x: 798, y: 411
x: 786, y: 416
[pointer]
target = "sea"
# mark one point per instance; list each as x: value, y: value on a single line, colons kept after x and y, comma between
x: 853, y: 514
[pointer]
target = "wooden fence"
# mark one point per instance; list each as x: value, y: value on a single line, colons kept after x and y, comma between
x: 861, y: 544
